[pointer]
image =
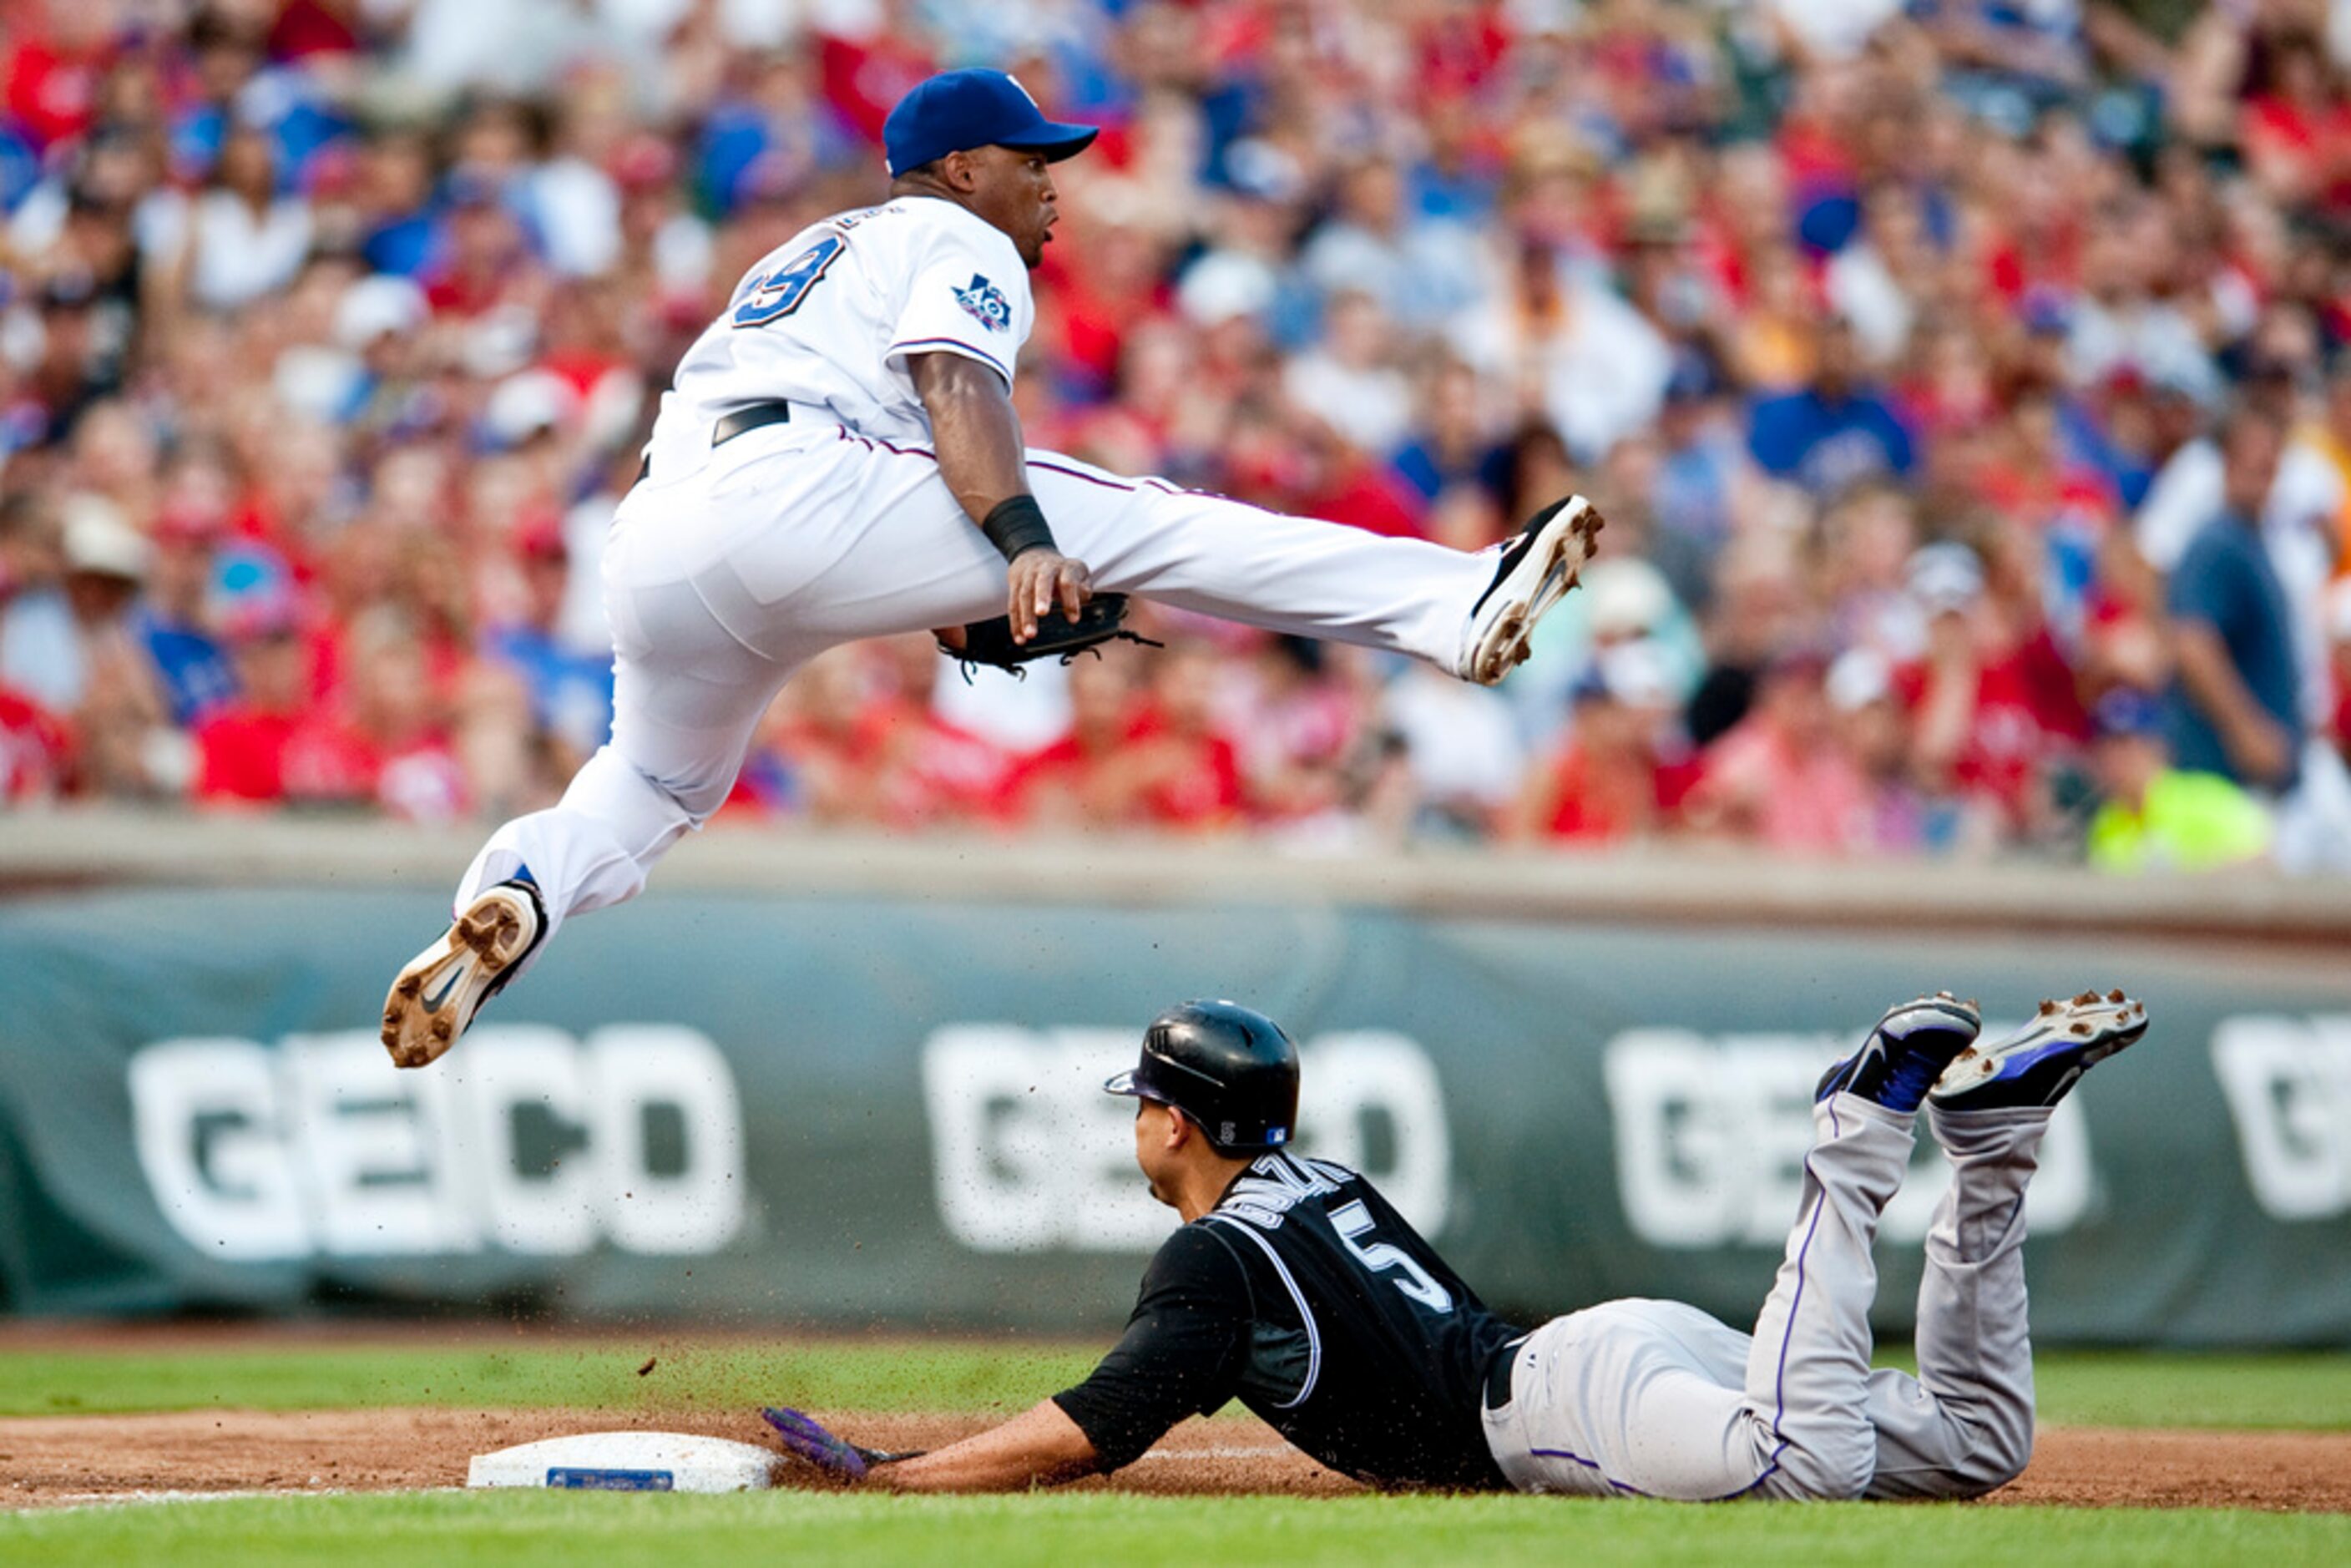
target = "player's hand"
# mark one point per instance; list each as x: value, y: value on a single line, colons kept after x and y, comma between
x: 1039, y: 580
x: 840, y: 1460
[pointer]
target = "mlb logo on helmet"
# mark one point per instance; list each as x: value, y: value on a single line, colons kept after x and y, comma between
x: 1276, y: 1135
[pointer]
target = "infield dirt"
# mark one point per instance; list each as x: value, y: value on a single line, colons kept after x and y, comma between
x: 50, y: 1460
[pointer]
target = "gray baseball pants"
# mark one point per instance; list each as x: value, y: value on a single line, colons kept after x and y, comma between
x: 1647, y: 1398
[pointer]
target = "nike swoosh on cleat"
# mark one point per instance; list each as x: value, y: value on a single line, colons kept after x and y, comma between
x: 431, y: 1003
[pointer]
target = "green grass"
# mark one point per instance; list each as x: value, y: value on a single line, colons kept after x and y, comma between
x: 2141, y: 1388
x: 896, y: 1376
x: 565, y: 1530
x: 569, y: 1529
x: 2077, y: 1388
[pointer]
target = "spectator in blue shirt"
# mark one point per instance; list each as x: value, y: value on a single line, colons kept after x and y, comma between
x: 569, y: 686
x: 1700, y: 465
x: 1837, y: 431
x: 775, y: 135
x: 192, y: 670
x: 2236, y: 702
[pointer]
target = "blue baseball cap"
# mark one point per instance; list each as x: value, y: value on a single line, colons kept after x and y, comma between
x: 955, y: 111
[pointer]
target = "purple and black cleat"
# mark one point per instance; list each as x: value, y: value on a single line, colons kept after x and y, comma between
x: 1903, y: 1056
x: 2036, y: 1065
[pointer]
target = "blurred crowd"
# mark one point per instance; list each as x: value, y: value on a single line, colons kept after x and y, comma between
x: 1967, y: 384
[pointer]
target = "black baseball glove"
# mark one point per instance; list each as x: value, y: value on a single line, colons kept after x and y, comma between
x: 1101, y: 620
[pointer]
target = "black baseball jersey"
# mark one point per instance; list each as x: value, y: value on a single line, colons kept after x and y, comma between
x: 1306, y: 1297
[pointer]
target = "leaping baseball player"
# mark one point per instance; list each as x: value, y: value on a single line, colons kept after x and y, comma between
x: 1294, y: 1288
x: 839, y: 458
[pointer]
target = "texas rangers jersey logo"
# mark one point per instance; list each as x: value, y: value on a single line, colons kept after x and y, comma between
x: 985, y: 303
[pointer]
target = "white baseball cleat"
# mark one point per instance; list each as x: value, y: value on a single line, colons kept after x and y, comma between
x: 1537, y: 570
x: 2036, y: 1065
x: 442, y: 988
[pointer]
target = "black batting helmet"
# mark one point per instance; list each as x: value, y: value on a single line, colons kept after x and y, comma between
x: 1230, y: 1070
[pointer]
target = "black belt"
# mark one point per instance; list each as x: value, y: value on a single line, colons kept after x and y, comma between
x: 1498, y: 1373
x: 742, y: 422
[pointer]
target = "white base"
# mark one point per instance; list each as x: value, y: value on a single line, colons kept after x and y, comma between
x: 629, y: 1461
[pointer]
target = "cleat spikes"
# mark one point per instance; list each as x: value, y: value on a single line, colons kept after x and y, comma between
x: 2037, y: 1065
x: 1538, y: 569
x: 437, y: 994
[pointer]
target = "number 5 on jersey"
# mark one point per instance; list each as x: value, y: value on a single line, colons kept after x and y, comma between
x: 779, y: 293
x: 1352, y: 1221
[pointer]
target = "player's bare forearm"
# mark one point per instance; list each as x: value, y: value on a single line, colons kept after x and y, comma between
x: 1039, y: 1447
x: 975, y: 430
x: 976, y: 433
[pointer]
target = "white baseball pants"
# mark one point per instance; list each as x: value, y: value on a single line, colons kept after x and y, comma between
x: 1658, y: 1399
x: 723, y: 577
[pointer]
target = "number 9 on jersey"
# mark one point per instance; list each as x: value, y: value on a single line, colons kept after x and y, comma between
x: 779, y: 293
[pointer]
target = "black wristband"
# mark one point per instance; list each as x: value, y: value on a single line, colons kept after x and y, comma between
x: 1016, y: 525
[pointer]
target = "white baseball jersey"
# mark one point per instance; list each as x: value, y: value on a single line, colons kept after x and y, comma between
x: 831, y: 318
x: 728, y: 567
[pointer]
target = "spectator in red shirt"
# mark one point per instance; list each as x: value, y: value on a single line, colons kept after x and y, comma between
x: 2297, y: 131
x: 2032, y: 480
x: 241, y: 747
x: 397, y: 744
x: 486, y: 261
x: 1875, y: 732
x: 36, y: 751
x: 1299, y: 719
x: 1993, y: 698
x: 1168, y: 767
x: 53, y: 73
x: 1620, y: 776
x: 928, y: 771
x: 383, y: 744
x: 1783, y: 777
x: 1062, y: 784
x: 816, y: 752
x: 1114, y: 286
x: 1177, y: 773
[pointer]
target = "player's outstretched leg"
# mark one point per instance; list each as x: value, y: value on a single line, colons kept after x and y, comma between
x: 686, y: 697
x: 591, y: 849
x: 1807, y: 1368
x: 1658, y: 1399
x: 1964, y: 1426
x: 1469, y: 614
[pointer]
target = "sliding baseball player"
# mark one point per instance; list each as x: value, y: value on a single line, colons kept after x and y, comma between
x: 1294, y: 1288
